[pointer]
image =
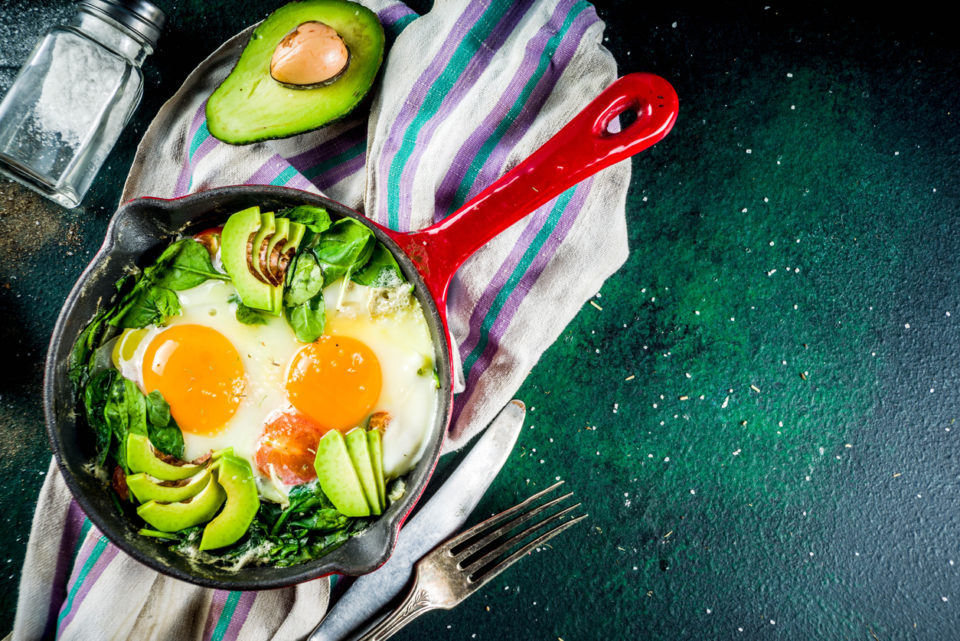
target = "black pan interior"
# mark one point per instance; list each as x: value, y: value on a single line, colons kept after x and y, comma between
x: 137, y: 234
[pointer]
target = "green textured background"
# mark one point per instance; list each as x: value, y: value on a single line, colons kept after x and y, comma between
x: 798, y: 234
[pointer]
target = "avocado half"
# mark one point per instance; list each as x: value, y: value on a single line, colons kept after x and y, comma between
x: 250, y: 106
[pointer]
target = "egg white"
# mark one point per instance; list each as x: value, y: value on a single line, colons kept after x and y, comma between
x: 389, y: 321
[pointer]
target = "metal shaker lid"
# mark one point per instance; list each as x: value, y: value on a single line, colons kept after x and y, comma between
x: 140, y: 16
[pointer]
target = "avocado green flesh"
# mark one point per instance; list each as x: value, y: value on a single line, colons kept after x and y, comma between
x: 234, y: 243
x: 236, y: 477
x: 337, y: 477
x: 280, y: 233
x: 146, y: 488
x: 249, y: 105
x: 375, y: 445
x: 268, y: 226
x: 142, y: 457
x: 357, y: 448
x: 172, y: 517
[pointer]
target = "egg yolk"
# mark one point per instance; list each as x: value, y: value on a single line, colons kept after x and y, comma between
x: 335, y: 381
x: 199, y: 373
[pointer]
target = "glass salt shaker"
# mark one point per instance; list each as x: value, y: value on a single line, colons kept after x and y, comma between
x: 74, y: 95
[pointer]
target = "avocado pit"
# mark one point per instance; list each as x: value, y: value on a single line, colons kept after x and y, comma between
x: 312, y: 55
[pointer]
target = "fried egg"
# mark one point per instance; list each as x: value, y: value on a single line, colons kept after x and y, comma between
x: 225, y: 381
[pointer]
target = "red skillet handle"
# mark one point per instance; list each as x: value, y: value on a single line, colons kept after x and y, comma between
x: 579, y: 150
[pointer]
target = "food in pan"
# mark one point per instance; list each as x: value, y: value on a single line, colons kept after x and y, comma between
x: 257, y: 394
x: 307, y: 64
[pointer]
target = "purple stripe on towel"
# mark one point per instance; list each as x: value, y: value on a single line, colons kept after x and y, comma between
x: 460, y: 89
x: 492, y: 168
x: 183, y: 179
x: 68, y: 544
x: 393, y: 13
x: 329, y: 148
x: 99, y: 567
x: 340, y: 172
x: 217, y: 601
x: 240, y: 613
x: 416, y: 97
x: 268, y: 171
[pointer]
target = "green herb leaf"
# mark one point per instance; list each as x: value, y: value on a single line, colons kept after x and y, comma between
x: 184, y: 264
x: 381, y: 270
x: 146, y: 304
x: 163, y: 431
x: 125, y: 411
x: 316, y: 219
x: 306, y: 280
x: 84, y: 350
x: 248, y: 315
x: 323, y: 520
x: 95, y: 396
x: 158, y: 410
x: 345, y: 247
x: 308, y: 319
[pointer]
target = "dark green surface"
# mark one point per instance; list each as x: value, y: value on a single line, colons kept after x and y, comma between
x: 818, y: 144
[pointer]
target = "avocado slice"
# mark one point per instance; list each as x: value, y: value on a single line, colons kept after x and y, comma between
x: 270, y: 258
x: 172, y: 517
x: 356, y: 440
x: 143, y: 457
x: 146, y: 488
x: 375, y: 446
x: 295, y: 236
x: 236, y: 477
x: 250, y: 105
x: 260, y: 242
x: 337, y: 477
x: 236, y: 242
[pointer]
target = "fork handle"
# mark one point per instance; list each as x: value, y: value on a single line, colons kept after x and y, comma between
x: 416, y: 603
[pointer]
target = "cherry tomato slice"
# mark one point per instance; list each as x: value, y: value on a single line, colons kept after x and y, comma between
x: 288, y: 446
x: 210, y: 238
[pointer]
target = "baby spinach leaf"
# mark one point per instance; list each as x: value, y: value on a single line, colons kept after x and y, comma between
x: 306, y: 280
x: 184, y: 264
x: 316, y: 219
x: 84, y: 350
x: 163, y: 431
x: 146, y: 304
x: 158, y: 410
x: 125, y: 411
x: 94, y: 400
x: 322, y: 520
x: 343, y: 248
x: 248, y: 315
x: 307, y: 319
x: 381, y: 270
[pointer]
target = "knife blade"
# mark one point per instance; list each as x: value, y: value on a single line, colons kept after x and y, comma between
x: 437, y: 520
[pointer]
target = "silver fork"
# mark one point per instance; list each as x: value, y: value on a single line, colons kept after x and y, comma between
x: 462, y: 565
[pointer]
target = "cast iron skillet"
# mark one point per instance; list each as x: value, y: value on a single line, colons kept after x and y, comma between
x: 141, y: 228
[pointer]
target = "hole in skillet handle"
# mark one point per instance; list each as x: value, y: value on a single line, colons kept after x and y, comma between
x: 621, y: 115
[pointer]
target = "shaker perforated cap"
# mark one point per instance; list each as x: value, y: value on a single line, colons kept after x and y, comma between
x: 139, y: 16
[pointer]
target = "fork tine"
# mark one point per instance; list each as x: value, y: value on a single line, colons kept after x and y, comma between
x: 496, y: 519
x: 503, y: 543
x: 501, y: 531
x: 475, y: 582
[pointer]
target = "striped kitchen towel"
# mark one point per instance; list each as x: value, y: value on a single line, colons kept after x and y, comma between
x: 468, y: 90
